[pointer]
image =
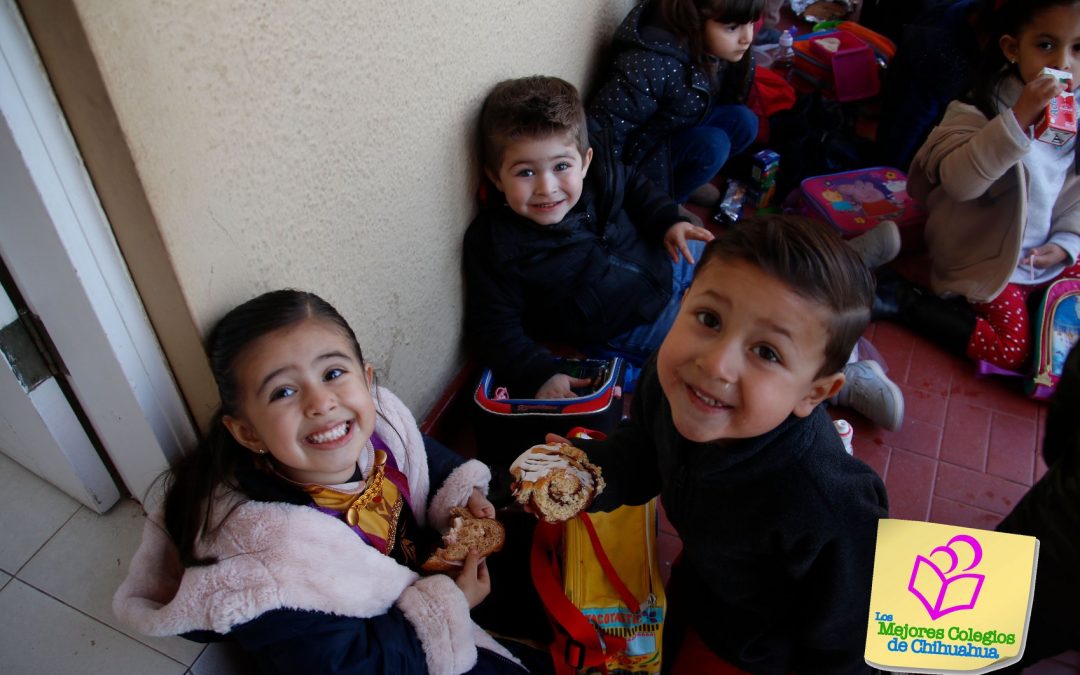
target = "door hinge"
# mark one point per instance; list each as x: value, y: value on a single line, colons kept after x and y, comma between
x: 27, y: 348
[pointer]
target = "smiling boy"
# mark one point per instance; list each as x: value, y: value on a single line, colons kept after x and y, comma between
x: 778, y: 522
x: 578, y: 249
x: 575, y: 250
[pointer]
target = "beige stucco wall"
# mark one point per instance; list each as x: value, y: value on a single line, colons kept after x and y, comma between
x: 328, y: 146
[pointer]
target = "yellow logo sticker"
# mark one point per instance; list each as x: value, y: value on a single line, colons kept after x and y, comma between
x: 949, y: 599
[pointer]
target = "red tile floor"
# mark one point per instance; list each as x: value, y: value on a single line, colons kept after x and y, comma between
x: 967, y: 452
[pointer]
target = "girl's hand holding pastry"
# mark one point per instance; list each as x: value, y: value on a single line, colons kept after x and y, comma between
x: 479, y: 505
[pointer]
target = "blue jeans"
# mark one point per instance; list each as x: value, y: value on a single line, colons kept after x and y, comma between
x: 698, y: 153
x: 639, y: 342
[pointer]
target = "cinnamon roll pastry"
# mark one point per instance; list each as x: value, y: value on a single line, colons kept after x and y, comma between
x: 557, y: 480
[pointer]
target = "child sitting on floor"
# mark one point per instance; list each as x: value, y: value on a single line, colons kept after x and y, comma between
x: 674, y: 100
x: 1004, y: 207
x: 581, y: 250
x: 296, y: 528
x: 778, y: 522
x: 576, y: 250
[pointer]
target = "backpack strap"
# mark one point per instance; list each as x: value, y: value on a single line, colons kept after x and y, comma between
x: 577, y: 644
x: 605, y: 564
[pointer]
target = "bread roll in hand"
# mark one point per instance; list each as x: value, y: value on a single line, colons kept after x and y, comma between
x: 556, y: 480
x: 486, y: 535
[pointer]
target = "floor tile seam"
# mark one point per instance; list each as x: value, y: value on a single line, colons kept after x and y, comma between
x: 986, y: 446
x: 936, y: 494
x: 992, y: 475
x: 917, y: 453
x: 906, y: 359
x: 933, y: 489
x: 1033, y: 420
x: 134, y: 638
x: 974, y: 403
x: 45, y: 543
x: 888, y: 462
x: 1007, y: 451
x: 952, y: 397
x: 908, y: 417
x: 191, y: 666
x: 924, y: 390
x: 1026, y: 486
x: 969, y: 505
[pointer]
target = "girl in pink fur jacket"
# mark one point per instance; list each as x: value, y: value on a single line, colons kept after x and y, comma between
x: 297, y: 526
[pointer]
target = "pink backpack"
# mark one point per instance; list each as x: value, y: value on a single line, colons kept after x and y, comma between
x: 857, y: 200
x: 1057, y: 329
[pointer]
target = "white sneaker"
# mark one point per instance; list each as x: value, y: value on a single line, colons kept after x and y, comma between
x: 868, y: 391
x: 878, y: 245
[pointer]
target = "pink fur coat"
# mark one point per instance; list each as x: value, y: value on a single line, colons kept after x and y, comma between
x: 264, y: 552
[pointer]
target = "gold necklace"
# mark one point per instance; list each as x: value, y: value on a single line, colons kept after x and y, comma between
x: 373, y: 490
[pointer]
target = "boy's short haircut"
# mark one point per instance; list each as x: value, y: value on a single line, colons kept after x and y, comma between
x: 812, y: 259
x: 527, y: 108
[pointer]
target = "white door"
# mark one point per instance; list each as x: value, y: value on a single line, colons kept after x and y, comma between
x: 38, y: 427
x: 65, y: 265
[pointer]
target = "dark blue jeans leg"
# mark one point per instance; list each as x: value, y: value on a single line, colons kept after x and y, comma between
x: 639, y: 342
x: 698, y: 153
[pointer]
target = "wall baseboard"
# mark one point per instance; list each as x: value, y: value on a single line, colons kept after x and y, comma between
x: 441, y: 416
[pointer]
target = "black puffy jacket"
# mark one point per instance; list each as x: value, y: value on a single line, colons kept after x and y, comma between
x: 652, y: 91
x: 591, y: 277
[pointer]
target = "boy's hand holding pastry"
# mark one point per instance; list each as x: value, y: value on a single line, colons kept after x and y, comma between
x: 555, y: 481
x: 677, y: 235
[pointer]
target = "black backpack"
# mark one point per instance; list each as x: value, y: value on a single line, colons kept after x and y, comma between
x: 813, y: 138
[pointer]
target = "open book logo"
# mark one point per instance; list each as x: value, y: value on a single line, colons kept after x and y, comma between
x: 940, y: 590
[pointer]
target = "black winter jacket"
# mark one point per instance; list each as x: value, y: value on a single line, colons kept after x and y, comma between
x: 1050, y: 511
x: 591, y: 277
x: 778, y: 533
x: 653, y: 91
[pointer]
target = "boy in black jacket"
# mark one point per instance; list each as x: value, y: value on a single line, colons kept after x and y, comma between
x: 778, y: 522
x: 581, y: 250
x: 580, y: 253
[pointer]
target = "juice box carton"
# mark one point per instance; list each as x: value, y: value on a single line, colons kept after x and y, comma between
x: 1058, y: 122
x: 764, y: 166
